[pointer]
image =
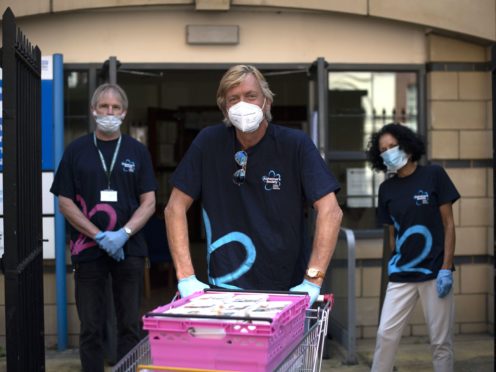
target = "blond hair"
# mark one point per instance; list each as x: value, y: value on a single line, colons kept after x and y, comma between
x: 235, y: 76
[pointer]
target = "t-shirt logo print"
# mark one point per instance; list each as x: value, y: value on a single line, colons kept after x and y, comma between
x: 128, y: 166
x: 272, y: 181
x: 421, y: 198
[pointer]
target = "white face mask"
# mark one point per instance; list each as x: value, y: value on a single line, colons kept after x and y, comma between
x: 246, y: 116
x: 394, y: 159
x: 108, y: 123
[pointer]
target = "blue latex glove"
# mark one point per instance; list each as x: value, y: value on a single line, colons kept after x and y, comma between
x: 444, y: 282
x: 99, y: 236
x: 311, y: 288
x: 113, y: 242
x: 118, y: 255
x: 188, y: 286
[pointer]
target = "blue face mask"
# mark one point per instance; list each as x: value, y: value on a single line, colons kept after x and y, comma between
x: 394, y: 159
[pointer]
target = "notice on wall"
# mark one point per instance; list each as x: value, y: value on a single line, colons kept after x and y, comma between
x: 1, y: 121
x: 47, y: 68
x: 47, y: 114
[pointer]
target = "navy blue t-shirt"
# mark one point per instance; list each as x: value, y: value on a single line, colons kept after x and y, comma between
x: 80, y: 177
x: 412, y: 204
x: 256, y: 234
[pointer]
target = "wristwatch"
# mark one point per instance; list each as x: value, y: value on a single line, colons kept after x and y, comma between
x: 128, y: 231
x: 314, y: 273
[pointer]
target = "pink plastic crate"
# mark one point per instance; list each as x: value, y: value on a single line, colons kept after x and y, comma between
x: 222, y: 344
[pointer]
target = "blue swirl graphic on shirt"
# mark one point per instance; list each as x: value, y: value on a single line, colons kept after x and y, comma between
x: 400, y: 240
x: 234, y: 236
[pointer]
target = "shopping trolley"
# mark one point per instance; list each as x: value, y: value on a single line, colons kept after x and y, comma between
x: 306, y: 355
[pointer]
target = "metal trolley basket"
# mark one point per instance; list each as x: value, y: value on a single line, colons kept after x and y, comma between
x: 305, y: 356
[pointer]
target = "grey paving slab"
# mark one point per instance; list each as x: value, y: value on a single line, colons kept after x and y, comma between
x: 473, y: 353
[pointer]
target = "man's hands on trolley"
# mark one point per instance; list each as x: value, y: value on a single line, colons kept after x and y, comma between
x: 312, y: 289
x: 189, y: 285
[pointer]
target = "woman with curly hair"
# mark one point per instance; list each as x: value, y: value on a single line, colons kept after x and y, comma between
x: 416, y: 202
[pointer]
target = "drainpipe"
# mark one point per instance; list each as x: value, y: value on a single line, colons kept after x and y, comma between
x: 60, y: 264
x: 322, y: 102
x: 493, y: 78
x: 113, y: 70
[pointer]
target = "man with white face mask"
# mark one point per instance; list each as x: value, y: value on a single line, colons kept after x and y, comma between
x: 255, y: 180
x: 106, y: 190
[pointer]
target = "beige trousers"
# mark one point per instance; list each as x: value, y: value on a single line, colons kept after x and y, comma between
x: 398, y: 306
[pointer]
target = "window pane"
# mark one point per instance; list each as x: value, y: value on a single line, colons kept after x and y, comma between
x: 362, y: 102
x: 358, y: 195
x: 76, y: 105
x: 74, y: 128
x: 76, y: 93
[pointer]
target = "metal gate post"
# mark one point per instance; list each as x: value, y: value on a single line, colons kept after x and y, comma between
x: 386, y: 253
x: 23, y: 257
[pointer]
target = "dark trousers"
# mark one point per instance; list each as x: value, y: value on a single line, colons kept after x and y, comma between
x: 127, y: 282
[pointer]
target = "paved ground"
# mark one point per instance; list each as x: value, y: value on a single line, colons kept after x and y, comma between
x: 473, y: 353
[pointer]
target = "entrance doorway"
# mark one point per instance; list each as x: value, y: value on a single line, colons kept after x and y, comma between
x: 167, y: 109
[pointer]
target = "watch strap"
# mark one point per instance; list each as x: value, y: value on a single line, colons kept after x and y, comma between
x: 314, y: 273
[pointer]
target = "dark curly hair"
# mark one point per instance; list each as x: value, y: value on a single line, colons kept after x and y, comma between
x: 408, y: 141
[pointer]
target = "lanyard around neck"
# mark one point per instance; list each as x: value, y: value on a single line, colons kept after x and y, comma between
x: 102, y: 159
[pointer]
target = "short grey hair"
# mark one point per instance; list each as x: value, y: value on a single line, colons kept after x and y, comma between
x: 108, y: 87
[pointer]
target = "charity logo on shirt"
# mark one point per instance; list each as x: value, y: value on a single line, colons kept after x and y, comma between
x: 128, y: 166
x: 272, y: 181
x: 421, y: 198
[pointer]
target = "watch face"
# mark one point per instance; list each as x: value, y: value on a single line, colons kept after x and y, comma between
x: 312, y: 273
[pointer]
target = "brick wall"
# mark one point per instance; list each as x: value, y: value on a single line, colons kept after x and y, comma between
x: 460, y: 138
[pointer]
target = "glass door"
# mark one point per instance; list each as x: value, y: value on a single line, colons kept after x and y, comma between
x: 349, y: 103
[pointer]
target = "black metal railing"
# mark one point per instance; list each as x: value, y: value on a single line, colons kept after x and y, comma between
x: 23, y: 255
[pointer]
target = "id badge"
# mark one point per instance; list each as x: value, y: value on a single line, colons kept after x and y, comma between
x: 108, y: 196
